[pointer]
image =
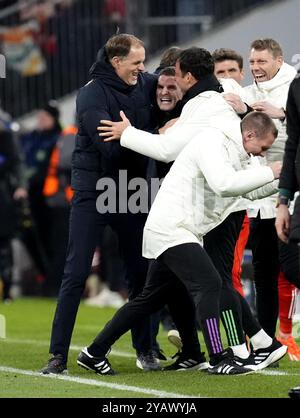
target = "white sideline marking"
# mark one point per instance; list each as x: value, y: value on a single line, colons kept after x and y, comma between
x: 277, y: 373
x: 93, y: 382
x: 78, y: 348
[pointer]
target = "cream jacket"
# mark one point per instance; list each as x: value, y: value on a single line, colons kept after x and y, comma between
x: 195, y: 196
x: 274, y: 91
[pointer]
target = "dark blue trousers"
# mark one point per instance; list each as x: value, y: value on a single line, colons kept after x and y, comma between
x: 86, y: 226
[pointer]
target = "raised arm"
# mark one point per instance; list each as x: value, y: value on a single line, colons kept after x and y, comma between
x: 219, y: 172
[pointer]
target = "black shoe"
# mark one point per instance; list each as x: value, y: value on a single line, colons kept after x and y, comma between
x: 99, y: 365
x: 56, y: 365
x: 185, y: 362
x: 148, y: 362
x: 228, y: 365
x: 247, y: 363
x: 264, y: 357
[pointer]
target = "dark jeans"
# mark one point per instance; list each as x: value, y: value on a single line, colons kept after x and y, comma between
x: 269, y: 257
x: 86, y: 225
x: 235, y: 312
x: 180, y: 268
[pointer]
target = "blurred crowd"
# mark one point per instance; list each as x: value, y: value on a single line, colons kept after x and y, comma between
x: 35, y: 192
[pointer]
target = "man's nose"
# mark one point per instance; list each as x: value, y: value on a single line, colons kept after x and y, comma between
x: 164, y: 91
x: 141, y: 67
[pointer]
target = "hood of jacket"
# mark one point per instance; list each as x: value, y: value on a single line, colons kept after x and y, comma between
x: 285, y: 74
x: 103, y: 69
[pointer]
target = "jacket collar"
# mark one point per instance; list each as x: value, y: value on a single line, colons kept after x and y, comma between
x: 208, y: 83
x: 103, y: 69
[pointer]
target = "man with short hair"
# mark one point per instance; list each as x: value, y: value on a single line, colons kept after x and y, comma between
x: 215, y: 163
x: 168, y: 94
x: 118, y: 82
x: 203, y: 107
x: 228, y: 64
x: 268, y: 93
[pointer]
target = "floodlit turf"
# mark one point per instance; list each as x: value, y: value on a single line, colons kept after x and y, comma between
x: 25, y: 349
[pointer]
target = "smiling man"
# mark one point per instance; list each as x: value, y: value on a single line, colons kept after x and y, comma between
x: 118, y: 83
x: 266, y: 59
x: 212, y: 164
x: 167, y: 92
x: 268, y: 94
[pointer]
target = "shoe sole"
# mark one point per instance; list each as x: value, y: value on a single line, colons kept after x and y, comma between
x: 201, y: 366
x: 275, y: 356
x: 236, y: 374
x: 84, y: 366
x: 65, y: 372
x: 175, y: 340
x: 139, y: 366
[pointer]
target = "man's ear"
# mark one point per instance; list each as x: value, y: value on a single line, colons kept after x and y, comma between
x: 280, y: 60
x: 190, y: 78
x: 115, y: 61
x: 248, y: 135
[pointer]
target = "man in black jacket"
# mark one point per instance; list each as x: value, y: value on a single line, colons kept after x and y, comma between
x: 288, y: 228
x: 118, y: 83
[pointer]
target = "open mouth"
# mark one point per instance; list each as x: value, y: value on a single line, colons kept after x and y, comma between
x: 165, y: 100
x: 259, y: 77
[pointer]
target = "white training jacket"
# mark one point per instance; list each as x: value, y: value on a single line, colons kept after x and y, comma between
x: 193, y: 198
x: 274, y: 91
x: 207, y: 110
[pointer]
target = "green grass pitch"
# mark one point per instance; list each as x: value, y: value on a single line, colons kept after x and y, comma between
x: 24, y: 351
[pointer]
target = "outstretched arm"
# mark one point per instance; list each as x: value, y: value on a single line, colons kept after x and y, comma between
x: 111, y: 131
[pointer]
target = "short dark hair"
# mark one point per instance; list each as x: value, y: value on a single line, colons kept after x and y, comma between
x: 223, y: 54
x: 170, y: 57
x: 260, y: 123
x: 197, y: 61
x: 168, y: 71
x: 120, y: 45
x: 268, y: 43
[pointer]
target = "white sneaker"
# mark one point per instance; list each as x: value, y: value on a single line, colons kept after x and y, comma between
x: 175, y: 339
x: 106, y: 298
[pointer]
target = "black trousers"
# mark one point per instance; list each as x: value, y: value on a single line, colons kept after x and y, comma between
x: 269, y: 257
x: 235, y: 312
x: 179, y: 269
x: 86, y: 225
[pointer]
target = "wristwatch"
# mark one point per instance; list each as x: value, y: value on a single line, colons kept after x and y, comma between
x: 283, y: 200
